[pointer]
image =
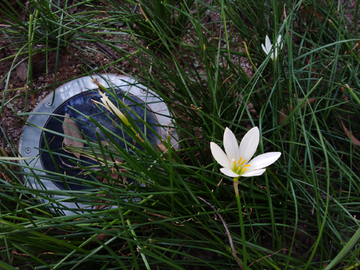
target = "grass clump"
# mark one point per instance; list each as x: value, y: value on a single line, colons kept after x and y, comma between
x: 204, y: 59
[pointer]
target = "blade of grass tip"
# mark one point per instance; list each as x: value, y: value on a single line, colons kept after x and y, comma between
x: 249, y: 57
x: 353, y: 94
x: 346, y: 249
x: 139, y: 247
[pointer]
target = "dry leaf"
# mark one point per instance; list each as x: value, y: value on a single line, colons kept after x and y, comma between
x: 283, y: 115
x: 251, y: 109
x: 350, y: 136
x: 71, y: 129
x: 162, y: 148
x: 38, y: 62
x: 72, y: 10
x: 22, y: 71
x: 103, y: 236
x: 346, y: 98
x: 284, y: 112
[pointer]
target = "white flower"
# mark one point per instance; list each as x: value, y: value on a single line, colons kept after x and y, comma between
x: 236, y: 160
x: 268, y: 46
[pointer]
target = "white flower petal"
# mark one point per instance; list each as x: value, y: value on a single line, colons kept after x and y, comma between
x: 231, y: 145
x: 229, y: 172
x: 268, y: 44
x: 263, y: 160
x: 264, y: 49
x: 219, y: 155
x: 278, y: 45
x: 249, y: 144
x: 253, y: 173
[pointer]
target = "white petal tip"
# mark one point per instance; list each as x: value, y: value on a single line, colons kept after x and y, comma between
x: 264, y: 49
x: 254, y: 173
x: 219, y: 155
x: 229, y: 172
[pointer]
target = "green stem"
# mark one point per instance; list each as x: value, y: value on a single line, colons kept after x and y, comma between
x: 236, y: 188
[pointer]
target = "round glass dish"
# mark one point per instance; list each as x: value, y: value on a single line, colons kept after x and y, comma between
x: 75, y: 99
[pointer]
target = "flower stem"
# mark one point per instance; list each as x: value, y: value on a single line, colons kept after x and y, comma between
x: 236, y: 188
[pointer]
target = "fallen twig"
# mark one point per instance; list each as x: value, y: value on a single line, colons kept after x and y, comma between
x: 227, y: 232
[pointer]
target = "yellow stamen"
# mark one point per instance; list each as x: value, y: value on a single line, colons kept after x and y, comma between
x: 240, y: 167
